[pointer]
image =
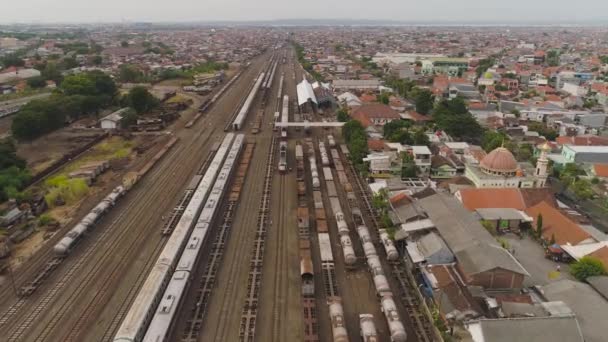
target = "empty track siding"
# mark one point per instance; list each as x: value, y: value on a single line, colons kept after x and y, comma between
x: 250, y: 308
x: 206, y: 282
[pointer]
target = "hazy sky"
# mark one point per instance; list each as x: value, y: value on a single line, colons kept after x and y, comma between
x: 205, y: 10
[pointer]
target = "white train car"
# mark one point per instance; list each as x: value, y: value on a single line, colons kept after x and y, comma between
x: 325, y: 247
x: 242, y: 115
x: 140, y: 313
x: 284, y: 115
x: 368, y: 328
x: 347, y: 248
x: 283, y: 157
x: 331, y: 141
x: 338, y: 326
x: 341, y: 223
x: 65, y: 245
x: 164, y: 317
x: 395, y: 326
x: 389, y: 245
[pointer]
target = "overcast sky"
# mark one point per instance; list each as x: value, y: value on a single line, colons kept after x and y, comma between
x: 12, y: 11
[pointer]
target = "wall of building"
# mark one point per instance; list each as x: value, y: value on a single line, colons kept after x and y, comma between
x: 498, y: 278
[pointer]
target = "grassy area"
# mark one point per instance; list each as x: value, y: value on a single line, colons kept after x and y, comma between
x: 27, y: 92
x: 68, y: 190
x: 111, y: 148
x: 72, y: 190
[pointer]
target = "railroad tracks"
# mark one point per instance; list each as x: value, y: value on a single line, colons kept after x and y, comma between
x: 203, y: 293
x: 250, y: 308
x: 106, y: 241
x: 278, y: 314
x: 423, y: 327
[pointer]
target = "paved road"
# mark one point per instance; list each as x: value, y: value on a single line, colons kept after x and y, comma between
x: 532, y: 257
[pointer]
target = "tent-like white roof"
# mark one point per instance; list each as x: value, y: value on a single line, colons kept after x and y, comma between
x: 305, y: 93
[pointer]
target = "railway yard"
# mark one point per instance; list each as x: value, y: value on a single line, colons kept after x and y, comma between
x: 240, y: 232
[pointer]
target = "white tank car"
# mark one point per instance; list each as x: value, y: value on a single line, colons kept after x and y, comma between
x: 364, y: 234
x: 347, y: 248
x: 394, y: 322
x: 64, y: 246
x: 342, y: 226
x: 389, y: 245
x: 135, y: 323
x: 369, y: 249
x: 368, y: 328
x: 374, y: 265
x: 338, y: 326
x: 331, y: 141
x: 381, y: 284
x: 316, y: 183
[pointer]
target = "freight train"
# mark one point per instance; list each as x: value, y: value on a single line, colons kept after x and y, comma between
x: 65, y: 245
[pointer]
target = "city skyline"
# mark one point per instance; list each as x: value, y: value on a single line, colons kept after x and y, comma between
x: 395, y: 12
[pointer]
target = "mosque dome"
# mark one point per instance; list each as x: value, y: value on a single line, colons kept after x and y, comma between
x: 499, y: 161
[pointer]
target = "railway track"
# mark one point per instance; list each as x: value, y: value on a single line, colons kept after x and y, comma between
x: 423, y: 327
x: 35, y: 310
x: 207, y: 282
x: 278, y: 304
x: 250, y: 308
x: 106, y: 241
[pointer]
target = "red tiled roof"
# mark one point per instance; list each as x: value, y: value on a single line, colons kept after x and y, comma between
x: 415, y: 116
x: 473, y: 199
x: 367, y: 98
x: 375, y: 145
x: 400, y: 199
x: 583, y: 140
x: 601, y: 254
x: 600, y: 170
x: 556, y: 224
x: 376, y: 110
x: 515, y: 198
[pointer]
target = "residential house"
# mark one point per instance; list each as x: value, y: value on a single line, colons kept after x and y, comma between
x: 442, y: 167
x: 376, y: 114
x: 557, y: 226
x: 112, y: 121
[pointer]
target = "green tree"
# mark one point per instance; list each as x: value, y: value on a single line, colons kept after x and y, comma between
x: 140, y: 99
x: 97, y: 60
x: 408, y: 166
x: 539, y: 226
x: 543, y: 130
x: 553, y: 58
x: 124, y: 44
x: 424, y: 101
x: 420, y: 138
x: 79, y: 84
x: 342, y: 115
x: 128, y: 118
x: 453, y: 117
x: 383, y: 98
x: 582, y: 189
x: 356, y: 140
x: 492, y: 139
x: 69, y: 63
x: 52, y: 72
x: 36, y: 82
x: 587, y: 267
x: 12, y: 60
x: 129, y: 74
